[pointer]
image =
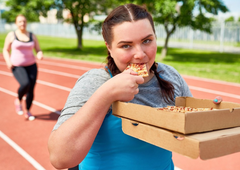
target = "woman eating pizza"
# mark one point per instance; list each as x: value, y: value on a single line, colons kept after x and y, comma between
x: 86, y: 132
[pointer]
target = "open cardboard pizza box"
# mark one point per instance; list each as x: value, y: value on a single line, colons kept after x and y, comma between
x: 227, y: 115
x: 205, y: 145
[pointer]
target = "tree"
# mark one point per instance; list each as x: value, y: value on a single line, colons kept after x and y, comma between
x: 81, y: 8
x: 230, y: 19
x: 30, y: 8
x: 78, y: 10
x: 181, y: 13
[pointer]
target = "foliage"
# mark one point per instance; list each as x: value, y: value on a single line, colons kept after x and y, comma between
x: 181, y: 13
x: 83, y: 8
x: 30, y: 8
x: 230, y: 19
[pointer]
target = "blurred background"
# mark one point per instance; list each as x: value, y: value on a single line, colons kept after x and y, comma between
x: 198, y: 38
x: 212, y: 25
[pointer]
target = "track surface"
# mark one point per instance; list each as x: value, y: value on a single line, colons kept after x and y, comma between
x: 23, y: 144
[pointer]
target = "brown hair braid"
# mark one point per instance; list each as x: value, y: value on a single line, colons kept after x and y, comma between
x: 128, y: 13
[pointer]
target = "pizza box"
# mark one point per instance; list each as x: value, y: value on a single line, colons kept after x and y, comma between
x: 226, y: 115
x: 206, y: 145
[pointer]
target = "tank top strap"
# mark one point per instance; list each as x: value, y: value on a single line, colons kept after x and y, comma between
x: 15, y: 36
x: 30, y: 36
x: 109, y: 71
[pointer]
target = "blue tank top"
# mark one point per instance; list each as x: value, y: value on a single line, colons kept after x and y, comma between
x: 114, y: 150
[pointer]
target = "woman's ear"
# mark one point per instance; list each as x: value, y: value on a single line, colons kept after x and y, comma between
x: 108, y: 47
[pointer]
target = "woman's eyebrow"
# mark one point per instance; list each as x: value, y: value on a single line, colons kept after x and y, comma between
x: 123, y: 42
x: 150, y: 35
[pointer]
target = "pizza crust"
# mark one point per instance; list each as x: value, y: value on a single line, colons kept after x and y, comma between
x: 184, y: 109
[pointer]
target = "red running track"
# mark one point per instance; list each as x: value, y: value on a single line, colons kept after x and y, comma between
x: 23, y: 144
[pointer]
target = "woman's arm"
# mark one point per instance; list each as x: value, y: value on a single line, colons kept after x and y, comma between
x: 70, y: 143
x: 37, y: 48
x: 6, y: 49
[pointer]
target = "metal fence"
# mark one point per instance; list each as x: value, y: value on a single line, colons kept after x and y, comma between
x: 224, y: 35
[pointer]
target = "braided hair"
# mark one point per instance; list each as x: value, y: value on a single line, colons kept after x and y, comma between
x: 129, y: 13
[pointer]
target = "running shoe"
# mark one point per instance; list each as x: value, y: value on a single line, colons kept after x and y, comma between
x: 29, y: 116
x: 18, y: 107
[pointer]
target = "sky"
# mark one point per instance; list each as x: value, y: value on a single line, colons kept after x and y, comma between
x: 234, y: 9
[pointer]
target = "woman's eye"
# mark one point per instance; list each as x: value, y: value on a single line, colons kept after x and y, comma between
x: 147, y: 41
x: 126, y: 46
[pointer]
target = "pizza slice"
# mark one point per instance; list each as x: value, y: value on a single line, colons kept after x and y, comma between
x: 141, y: 69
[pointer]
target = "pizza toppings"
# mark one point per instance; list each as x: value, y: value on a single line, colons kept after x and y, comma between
x: 141, y: 69
x: 183, y: 109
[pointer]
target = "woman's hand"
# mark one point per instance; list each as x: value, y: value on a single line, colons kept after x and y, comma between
x: 9, y: 65
x: 124, y: 86
x: 39, y: 55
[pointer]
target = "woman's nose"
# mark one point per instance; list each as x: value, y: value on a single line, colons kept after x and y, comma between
x: 139, y: 53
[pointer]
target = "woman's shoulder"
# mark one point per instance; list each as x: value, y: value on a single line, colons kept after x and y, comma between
x: 11, y: 33
x: 10, y: 36
x: 99, y: 74
x: 168, y: 72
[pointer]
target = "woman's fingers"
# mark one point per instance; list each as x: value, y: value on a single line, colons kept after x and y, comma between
x: 137, y: 90
x: 138, y: 79
x: 131, y: 72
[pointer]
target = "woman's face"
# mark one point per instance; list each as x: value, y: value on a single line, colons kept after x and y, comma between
x: 133, y: 42
x: 21, y: 22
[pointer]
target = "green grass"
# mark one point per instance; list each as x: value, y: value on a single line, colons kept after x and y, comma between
x: 66, y: 48
x: 206, y: 64
x: 214, y: 65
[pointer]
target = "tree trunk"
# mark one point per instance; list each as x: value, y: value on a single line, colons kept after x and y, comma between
x: 165, y: 47
x: 79, y: 38
x: 78, y: 28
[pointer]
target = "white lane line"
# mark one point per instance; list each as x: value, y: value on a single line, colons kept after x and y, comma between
x: 54, y: 72
x: 42, y: 82
x: 21, y: 151
x: 34, y: 102
x: 191, y: 87
x: 58, y: 73
x: 6, y: 73
x: 211, y: 80
x: 191, y: 77
x: 214, y: 92
x: 54, y: 85
x: 73, y: 61
x: 88, y: 68
x: 65, y: 65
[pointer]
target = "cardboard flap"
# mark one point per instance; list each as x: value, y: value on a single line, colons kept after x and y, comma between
x: 162, y: 138
x: 148, y: 114
x: 216, y: 134
x: 218, y: 143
